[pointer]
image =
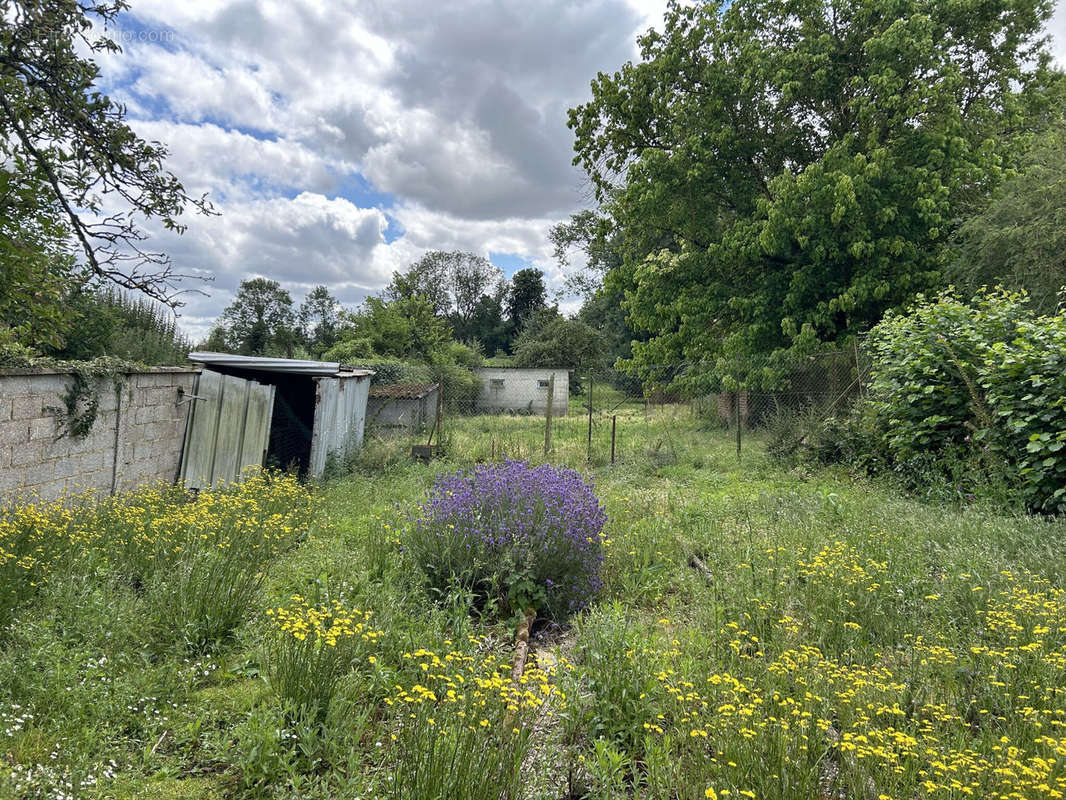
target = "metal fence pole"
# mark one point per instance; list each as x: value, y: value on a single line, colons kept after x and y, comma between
x: 614, y: 422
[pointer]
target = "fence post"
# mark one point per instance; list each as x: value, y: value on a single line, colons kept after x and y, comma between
x: 614, y: 422
x: 548, y: 415
x: 588, y: 451
x: 736, y: 413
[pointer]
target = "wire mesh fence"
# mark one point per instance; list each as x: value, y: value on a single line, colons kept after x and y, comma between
x: 599, y: 417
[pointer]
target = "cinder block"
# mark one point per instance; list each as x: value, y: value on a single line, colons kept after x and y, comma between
x: 14, y: 385
x: 161, y: 395
x: 50, y: 384
x: 142, y: 415
x: 29, y: 406
x: 69, y: 467
x: 108, y: 398
x: 14, y: 432
x: 28, y: 454
x: 43, y: 428
x: 39, y: 473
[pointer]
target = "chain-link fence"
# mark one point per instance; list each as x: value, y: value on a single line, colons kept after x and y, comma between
x: 600, y: 417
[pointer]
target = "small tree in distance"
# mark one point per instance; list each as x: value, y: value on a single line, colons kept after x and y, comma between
x: 260, y: 320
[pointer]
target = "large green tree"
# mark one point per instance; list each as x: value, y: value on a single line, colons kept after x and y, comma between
x: 598, y: 247
x: 453, y: 283
x: 37, y: 268
x: 319, y: 320
x: 526, y: 296
x: 260, y: 321
x: 61, y: 136
x: 551, y: 340
x: 1019, y: 241
x: 781, y: 172
x: 405, y: 328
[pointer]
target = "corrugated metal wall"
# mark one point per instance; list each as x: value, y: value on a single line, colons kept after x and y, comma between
x: 340, y: 419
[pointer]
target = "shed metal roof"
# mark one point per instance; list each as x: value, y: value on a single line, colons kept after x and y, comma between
x: 291, y: 366
x: 403, y: 391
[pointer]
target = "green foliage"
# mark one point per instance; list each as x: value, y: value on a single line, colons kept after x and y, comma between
x: 203, y: 598
x: 312, y: 646
x: 549, y: 339
x: 37, y: 269
x: 526, y: 297
x: 780, y: 173
x: 319, y: 321
x: 405, y: 328
x: 260, y: 321
x: 617, y: 685
x: 1019, y: 241
x: 114, y: 324
x: 844, y: 641
x: 68, y: 147
x: 982, y: 382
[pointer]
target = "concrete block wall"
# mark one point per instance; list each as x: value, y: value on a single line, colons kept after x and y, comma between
x: 513, y: 389
x: 136, y: 438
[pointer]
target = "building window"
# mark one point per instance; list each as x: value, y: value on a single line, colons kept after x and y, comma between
x: 496, y: 383
x: 542, y: 384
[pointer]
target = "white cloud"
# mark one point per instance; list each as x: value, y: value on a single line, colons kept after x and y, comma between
x: 1057, y: 29
x: 315, y: 123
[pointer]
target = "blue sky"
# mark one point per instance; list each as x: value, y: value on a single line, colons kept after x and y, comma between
x: 342, y: 139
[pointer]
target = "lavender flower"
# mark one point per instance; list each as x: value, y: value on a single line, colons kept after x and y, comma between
x: 515, y: 534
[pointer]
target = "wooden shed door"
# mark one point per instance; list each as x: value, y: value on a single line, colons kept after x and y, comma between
x: 228, y: 430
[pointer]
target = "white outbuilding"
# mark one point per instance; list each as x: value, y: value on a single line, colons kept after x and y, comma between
x: 522, y: 390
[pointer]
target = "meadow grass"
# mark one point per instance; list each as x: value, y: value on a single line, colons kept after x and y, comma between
x: 838, y: 640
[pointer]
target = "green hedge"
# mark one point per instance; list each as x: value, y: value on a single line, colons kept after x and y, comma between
x: 985, y: 377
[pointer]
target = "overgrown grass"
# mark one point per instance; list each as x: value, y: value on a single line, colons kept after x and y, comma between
x: 761, y: 632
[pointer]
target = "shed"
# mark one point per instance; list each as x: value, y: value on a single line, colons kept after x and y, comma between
x: 517, y: 390
x: 277, y: 412
x: 402, y: 407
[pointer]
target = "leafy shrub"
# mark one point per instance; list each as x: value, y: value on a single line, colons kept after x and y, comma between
x: 453, y: 369
x: 981, y: 383
x: 517, y: 535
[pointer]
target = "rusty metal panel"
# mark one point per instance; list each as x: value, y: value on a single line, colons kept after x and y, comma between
x: 340, y: 419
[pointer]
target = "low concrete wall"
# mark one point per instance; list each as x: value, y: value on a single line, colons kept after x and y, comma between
x: 522, y: 390
x: 136, y: 438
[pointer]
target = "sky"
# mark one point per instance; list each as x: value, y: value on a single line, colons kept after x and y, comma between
x: 340, y: 140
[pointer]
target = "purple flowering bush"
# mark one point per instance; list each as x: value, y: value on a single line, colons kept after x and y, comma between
x: 515, y: 535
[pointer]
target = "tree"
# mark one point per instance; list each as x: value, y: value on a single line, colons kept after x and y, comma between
x: 37, y: 268
x: 1019, y: 241
x: 599, y: 245
x: 551, y: 340
x: 405, y: 328
x: 319, y: 318
x: 781, y: 172
x: 59, y: 134
x: 260, y: 319
x: 453, y: 283
x: 112, y: 323
x: 598, y: 242
x: 527, y: 296
x: 487, y: 325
